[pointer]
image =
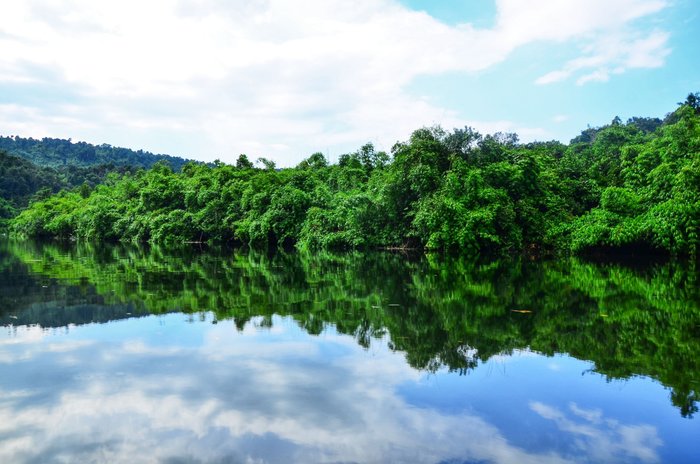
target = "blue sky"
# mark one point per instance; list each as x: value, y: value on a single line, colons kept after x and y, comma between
x: 508, y: 91
x: 282, y: 79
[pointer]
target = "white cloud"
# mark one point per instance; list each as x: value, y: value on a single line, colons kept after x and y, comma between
x: 560, y: 20
x: 599, y: 75
x: 273, y: 78
x: 614, y: 53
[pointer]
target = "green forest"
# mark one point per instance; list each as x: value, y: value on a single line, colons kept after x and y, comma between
x: 23, y: 182
x: 627, y: 186
x: 32, y: 169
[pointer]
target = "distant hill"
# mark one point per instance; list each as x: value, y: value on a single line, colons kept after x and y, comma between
x: 60, y: 152
x: 22, y: 181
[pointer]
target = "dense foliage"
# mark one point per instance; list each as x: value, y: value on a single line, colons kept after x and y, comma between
x: 441, y: 312
x: 633, y: 185
x: 22, y: 181
x: 61, y: 152
x: 19, y: 180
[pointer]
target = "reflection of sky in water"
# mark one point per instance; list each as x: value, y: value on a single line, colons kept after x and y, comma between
x: 161, y: 389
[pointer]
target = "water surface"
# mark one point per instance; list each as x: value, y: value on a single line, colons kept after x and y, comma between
x: 116, y: 354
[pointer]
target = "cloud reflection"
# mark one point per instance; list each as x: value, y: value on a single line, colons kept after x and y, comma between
x: 263, y: 397
x: 604, y: 440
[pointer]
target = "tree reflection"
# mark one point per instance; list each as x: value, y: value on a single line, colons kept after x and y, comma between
x: 441, y: 312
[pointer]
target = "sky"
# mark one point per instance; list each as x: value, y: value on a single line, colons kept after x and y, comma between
x: 282, y: 79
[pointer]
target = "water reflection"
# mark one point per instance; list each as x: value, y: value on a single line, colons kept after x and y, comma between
x: 243, y: 357
x: 603, y: 439
x: 258, y: 396
x: 452, y: 313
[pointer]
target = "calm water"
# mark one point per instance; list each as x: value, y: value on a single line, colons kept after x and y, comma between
x: 129, y: 355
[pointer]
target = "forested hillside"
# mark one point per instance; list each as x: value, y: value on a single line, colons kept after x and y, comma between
x: 22, y: 181
x: 60, y: 152
x: 35, y: 169
x: 629, y: 186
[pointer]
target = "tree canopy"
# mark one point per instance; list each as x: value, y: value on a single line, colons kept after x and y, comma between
x: 626, y: 186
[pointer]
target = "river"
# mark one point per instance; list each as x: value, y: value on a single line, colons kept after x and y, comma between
x: 122, y: 354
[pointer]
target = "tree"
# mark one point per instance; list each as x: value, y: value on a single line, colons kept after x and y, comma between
x: 243, y: 162
x: 267, y: 163
x: 692, y: 101
x: 315, y: 161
